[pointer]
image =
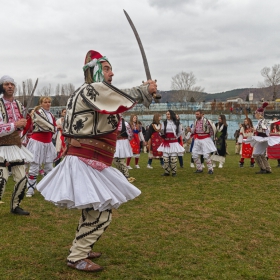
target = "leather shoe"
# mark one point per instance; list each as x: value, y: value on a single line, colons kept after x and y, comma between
x: 19, y: 211
x: 198, y: 171
x: 174, y: 175
x: 94, y: 255
x: 85, y: 265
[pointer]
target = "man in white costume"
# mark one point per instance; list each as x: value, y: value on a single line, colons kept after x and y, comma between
x: 202, y: 131
x: 12, y: 152
x: 85, y: 178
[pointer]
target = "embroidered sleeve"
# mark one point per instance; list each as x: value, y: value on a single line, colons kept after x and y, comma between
x: 6, y: 128
x: 140, y: 94
x: 211, y: 130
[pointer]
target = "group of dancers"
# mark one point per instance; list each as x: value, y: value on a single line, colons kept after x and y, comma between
x: 93, y: 135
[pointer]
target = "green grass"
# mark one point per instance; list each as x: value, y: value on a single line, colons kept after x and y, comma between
x: 193, y: 226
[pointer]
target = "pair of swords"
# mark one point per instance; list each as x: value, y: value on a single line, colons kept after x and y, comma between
x: 156, y: 96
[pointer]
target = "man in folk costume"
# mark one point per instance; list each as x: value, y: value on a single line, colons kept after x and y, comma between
x: 85, y: 177
x: 261, y: 141
x: 123, y: 148
x: 12, y: 152
x: 202, y: 131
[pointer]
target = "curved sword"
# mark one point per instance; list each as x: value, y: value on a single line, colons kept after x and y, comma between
x: 145, y: 61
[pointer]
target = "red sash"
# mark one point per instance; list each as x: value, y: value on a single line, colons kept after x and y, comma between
x: 44, y: 137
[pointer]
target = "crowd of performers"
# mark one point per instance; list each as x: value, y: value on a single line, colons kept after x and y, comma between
x: 92, y: 134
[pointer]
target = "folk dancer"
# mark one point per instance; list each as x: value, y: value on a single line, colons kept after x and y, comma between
x: 123, y: 148
x: 12, y: 152
x: 273, y: 152
x: 220, y: 140
x: 261, y: 140
x: 85, y: 177
x: 135, y: 141
x: 202, y: 131
x: 40, y: 143
x: 180, y: 141
x: 246, y: 151
x: 170, y: 147
x: 154, y: 140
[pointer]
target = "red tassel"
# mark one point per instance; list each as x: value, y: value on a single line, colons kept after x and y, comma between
x: 264, y: 104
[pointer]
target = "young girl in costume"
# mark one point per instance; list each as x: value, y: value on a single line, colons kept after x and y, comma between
x: 135, y: 141
x: 154, y: 140
x: 246, y: 150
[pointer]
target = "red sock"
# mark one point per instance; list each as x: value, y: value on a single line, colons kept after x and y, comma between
x: 128, y: 161
x: 136, y: 161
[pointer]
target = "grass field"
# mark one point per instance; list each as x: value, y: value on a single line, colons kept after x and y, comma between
x: 193, y: 226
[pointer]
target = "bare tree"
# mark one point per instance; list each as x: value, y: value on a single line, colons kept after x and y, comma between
x: 29, y: 86
x: 57, y: 89
x: 46, y: 90
x: 271, y: 78
x: 67, y: 89
x: 184, y: 85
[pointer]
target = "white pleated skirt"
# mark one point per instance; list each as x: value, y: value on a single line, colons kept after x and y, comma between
x: 15, y: 154
x: 123, y: 149
x: 173, y: 149
x: 74, y: 184
x: 203, y: 146
x: 42, y: 152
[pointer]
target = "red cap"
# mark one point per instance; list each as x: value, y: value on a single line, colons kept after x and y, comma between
x: 92, y: 55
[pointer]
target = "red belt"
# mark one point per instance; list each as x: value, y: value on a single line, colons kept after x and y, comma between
x: 44, y: 137
x: 201, y: 136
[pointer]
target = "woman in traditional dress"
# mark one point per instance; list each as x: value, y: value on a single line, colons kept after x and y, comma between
x: 135, y: 141
x: 170, y: 146
x: 220, y: 140
x: 40, y: 143
x: 246, y: 150
x: 154, y: 140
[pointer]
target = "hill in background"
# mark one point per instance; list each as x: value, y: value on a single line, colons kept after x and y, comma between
x: 258, y: 94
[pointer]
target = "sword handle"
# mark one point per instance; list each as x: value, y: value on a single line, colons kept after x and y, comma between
x: 156, y: 96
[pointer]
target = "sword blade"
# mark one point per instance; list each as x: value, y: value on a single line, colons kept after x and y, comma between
x: 145, y: 62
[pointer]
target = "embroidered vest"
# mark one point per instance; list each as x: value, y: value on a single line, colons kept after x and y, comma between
x: 88, y: 110
x: 41, y: 122
x: 13, y: 138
